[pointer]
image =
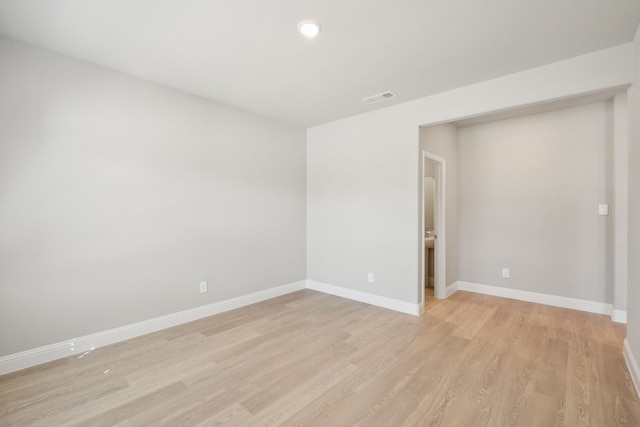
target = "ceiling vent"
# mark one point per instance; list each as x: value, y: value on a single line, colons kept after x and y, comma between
x: 379, y: 97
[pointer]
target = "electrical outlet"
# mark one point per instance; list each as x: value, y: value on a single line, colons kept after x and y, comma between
x: 204, y: 287
x: 370, y: 277
x: 505, y: 273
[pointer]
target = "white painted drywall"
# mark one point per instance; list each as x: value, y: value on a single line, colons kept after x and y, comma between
x: 529, y: 188
x: 118, y: 196
x: 441, y: 140
x: 633, y: 311
x: 362, y: 211
x: 619, y: 212
x: 363, y: 173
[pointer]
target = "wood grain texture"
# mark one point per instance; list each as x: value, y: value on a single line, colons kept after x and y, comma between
x: 312, y: 359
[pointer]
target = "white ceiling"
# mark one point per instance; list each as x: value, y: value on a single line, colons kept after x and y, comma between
x: 248, y: 53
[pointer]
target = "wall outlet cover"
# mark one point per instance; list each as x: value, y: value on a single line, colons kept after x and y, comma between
x: 204, y: 287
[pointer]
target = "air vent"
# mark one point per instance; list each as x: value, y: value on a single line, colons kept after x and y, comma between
x: 379, y: 97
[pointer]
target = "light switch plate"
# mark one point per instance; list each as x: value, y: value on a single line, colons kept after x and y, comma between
x: 603, y: 209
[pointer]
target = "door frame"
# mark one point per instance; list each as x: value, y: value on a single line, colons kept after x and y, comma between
x: 440, y: 264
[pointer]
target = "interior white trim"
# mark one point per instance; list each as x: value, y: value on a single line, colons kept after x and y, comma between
x: 37, y: 356
x: 440, y: 225
x: 380, y: 301
x: 554, y: 300
x: 632, y: 364
x: 451, y: 289
x: 619, y: 316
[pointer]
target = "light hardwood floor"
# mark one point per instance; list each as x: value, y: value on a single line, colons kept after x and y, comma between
x: 313, y: 359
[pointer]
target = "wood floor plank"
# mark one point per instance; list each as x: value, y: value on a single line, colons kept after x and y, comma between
x: 550, y: 377
x: 130, y: 408
x: 543, y: 410
x: 312, y: 359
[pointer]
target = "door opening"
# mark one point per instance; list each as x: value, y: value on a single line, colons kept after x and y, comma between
x: 432, y: 283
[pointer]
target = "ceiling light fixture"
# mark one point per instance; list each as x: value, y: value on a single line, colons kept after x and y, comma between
x: 309, y: 28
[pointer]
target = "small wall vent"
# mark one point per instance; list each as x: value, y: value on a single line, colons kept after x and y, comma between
x: 379, y: 97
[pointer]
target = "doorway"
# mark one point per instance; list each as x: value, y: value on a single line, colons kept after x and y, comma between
x: 433, y: 228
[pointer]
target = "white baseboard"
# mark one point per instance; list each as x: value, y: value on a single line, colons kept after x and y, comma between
x: 554, y: 300
x: 632, y: 364
x: 385, y: 302
x: 37, y: 356
x: 451, y: 289
x: 619, y: 316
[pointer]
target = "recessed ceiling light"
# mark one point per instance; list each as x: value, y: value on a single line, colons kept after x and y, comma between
x: 309, y: 28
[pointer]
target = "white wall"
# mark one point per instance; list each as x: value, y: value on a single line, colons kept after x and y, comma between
x: 529, y: 188
x: 619, y: 189
x: 633, y: 319
x: 117, y: 196
x: 363, y: 172
x: 362, y: 211
x: 441, y: 140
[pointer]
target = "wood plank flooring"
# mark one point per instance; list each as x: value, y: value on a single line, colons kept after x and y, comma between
x: 312, y: 359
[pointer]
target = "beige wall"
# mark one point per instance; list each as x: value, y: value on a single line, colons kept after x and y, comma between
x: 529, y: 188
x: 117, y: 196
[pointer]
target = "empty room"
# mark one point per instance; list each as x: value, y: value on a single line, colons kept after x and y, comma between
x: 319, y: 213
